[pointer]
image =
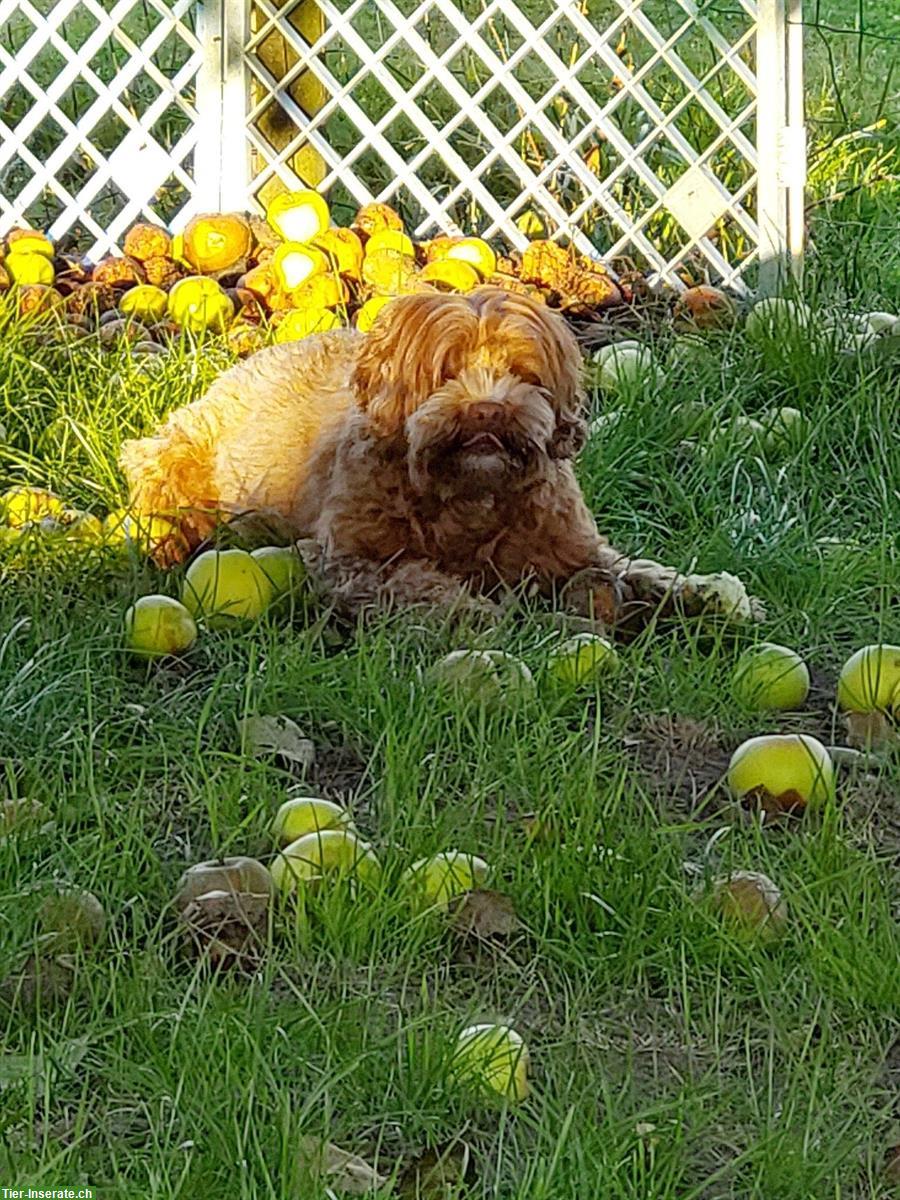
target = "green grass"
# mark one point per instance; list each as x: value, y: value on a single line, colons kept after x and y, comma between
x: 769, y: 1073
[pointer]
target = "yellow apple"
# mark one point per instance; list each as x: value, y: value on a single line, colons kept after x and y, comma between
x: 365, y: 318
x: 197, y: 303
x: 435, y: 881
x: 771, y: 677
x: 314, y: 854
x: 483, y: 674
x: 308, y: 814
x: 870, y: 679
x: 21, y: 506
x: 282, y: 565
x: 303, y: 321
x: 156, y: 626
x: 144, y: 533
x: 583, y: 658
x: 476, y: 252
x: 784, y: 772
x: 495, y: 1057
x: 226, y: 586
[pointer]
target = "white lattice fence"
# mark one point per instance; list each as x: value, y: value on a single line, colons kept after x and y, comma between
x: 98, y: 115
x: 665, y: 131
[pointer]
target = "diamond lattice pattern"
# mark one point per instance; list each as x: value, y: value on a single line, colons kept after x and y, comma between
x: 97, y: 116
x: 624, y: 126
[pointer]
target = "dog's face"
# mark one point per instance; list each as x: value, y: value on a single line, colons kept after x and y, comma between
x: 483, y: 389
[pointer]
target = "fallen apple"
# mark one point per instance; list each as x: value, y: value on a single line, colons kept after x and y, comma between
x: 771, y: 677
x: 782, y: 773
x: 704, y: 307
x: 879, y: 323
x: 390, y: 239
x: 299, y: 216
x: 624, y: 367
x: 28, y: 267
x: 282, y: 565
x: 21, y: 506
x: 301, y: 322
x: 751, y: 904
x: 870, y: 679
x: 70, y: 920
x: 308, y: 814
x: 583, y: 658
x: 365, y: 317
x: 144, y: 302
x: 476, y: 252
x: 435, y: 881
x: 225, y: 586
x: 224, y: 910
x: 197, y: 303
x: 157, y: 626
x: 483, y: 674
x: 784, y: 429
x: 238, y: 875
x: 495, y: 1057
x: 145, y: 534
x: 776, y: 317
x: 447, y: 274
x: 315, y: 854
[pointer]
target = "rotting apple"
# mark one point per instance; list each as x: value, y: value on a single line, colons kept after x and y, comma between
x: 782, y: 773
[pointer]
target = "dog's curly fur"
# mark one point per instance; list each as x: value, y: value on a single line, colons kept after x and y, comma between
x: 430, y: 461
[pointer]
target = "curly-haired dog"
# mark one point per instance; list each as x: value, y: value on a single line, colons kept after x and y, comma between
x: 430, y: 462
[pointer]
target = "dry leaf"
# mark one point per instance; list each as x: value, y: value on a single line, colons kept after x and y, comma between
x: 484, y: 914
x: 278, y: 736
x: 437, y: 1174
x: 338, y: 1169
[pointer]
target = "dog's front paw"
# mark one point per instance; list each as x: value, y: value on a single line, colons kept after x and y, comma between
x: 720, y: 594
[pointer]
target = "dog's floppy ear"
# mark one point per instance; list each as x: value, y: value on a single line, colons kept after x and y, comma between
x: 415, y: 344
x: 563, y: 366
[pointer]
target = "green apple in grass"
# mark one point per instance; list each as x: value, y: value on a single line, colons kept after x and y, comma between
x: 156, y: 626
x: 282, y: 565
x: 483, y: 674
x: 582, y: 659
x: 870, y: 679
x: 771, y: 677
x: 437, y: 880
x: 493, y: 1057
x: 226, y: 586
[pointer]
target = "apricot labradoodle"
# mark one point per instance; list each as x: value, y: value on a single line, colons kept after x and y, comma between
x: 428, y: 462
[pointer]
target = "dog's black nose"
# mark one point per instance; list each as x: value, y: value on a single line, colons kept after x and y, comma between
x: 483, y: 412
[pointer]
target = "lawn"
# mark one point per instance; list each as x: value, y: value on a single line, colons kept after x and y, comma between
x: 670, y: 1058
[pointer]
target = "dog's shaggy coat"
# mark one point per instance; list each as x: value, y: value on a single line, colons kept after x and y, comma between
x: 428, y: 461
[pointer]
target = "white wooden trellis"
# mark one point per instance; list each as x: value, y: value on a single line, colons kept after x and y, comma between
x: 667, y: 131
